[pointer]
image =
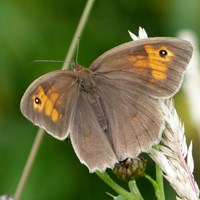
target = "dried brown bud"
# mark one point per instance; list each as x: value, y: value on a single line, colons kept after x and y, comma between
x: 130, y: 169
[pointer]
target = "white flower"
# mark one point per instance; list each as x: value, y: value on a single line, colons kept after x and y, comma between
x: 174, y: 157
x: 142, y: 34
x: 5, y: 197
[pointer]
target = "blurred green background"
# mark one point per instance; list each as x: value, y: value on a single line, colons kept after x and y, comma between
x: 35, y: 29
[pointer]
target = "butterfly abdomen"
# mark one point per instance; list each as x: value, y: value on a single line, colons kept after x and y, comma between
x: 89, y: 91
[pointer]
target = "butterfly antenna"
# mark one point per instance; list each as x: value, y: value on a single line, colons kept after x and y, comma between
x: 47, y: 61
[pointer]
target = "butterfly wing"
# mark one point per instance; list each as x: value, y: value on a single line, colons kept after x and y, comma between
x: 127, y: 78
x: 154, y: 66
x: 135, y: 121
x: 50, y: 101
x: 88, y: 139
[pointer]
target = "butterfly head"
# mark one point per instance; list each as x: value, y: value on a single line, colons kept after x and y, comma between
x: 76, y: 67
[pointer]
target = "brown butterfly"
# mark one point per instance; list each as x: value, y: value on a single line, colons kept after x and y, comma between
x: 110, y: 111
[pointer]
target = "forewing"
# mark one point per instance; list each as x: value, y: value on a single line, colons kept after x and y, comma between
x: 50, y: 102
x: 135, y: 121
x: 154, y: 66
x: 88, y: 139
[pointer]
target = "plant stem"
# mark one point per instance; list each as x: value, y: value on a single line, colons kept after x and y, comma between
x: 29, y: 163
x: 117, y: 188
x: 78, y: 33
x: 40, y: 133
x: 155, y: 185
x: 134, y: 190
x: 159, y: 180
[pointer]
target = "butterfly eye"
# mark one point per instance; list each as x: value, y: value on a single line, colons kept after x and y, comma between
x: 37, y: 100
x: 163, y: 53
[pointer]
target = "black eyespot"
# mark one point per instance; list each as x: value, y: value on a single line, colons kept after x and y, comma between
x: 163, y: 53
x: 37, y: 100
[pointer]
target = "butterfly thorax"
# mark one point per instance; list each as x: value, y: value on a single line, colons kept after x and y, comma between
x: 85, y: 80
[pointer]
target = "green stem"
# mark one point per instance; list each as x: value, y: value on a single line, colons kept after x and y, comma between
x: 78, y: 33
x: 134, y: 190
x: 40, y: 134
x: 155, y: 185
x: 158, y: 185
x: 159, y: 180
x: 106, y: 178
x: 29, y: 164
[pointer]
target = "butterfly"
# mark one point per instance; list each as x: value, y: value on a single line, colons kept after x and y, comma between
x: 110, y: 111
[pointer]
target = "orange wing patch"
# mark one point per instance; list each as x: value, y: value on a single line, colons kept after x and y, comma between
x: 139, y: 63
x: 157, y: 63
x: 154, y: 62
x: 45, y: 103
x: 135, y: 119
